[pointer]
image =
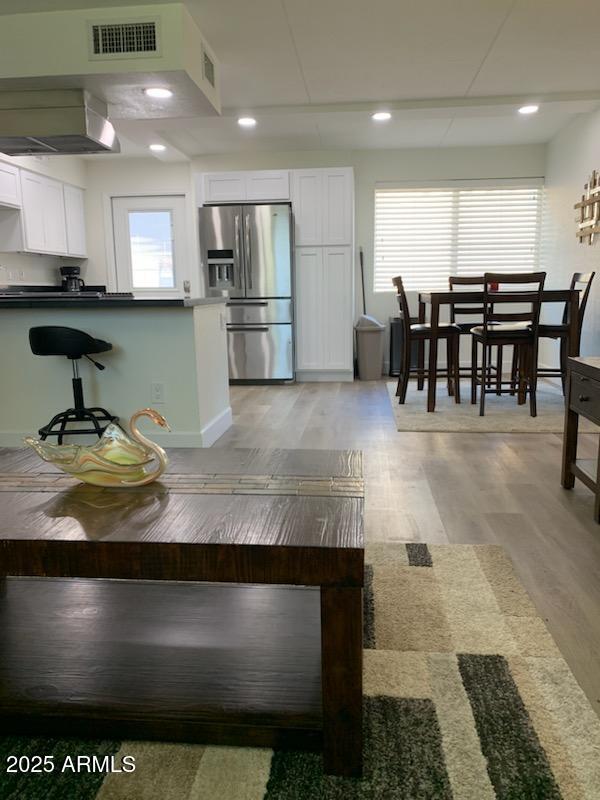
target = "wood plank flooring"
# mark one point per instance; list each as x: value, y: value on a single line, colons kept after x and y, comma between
x: 454, y: 488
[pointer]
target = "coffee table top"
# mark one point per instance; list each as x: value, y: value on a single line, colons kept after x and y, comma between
x: 292, y: 498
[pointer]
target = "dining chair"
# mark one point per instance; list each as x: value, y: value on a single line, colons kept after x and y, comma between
x: 583, y: 282
x: 420, y: 333
x: 473, y: 310
x: 519, y: 329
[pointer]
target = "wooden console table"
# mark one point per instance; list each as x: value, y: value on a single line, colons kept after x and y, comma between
x: 213, y: 632
x: 583, y: 398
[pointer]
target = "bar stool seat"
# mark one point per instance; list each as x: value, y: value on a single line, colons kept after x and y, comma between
x: 57, y: 340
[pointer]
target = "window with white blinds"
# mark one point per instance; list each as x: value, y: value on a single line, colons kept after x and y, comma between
x: 427, y: 234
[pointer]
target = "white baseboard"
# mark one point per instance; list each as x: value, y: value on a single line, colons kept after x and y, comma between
x: 318, y: 376
x: 217, y: 427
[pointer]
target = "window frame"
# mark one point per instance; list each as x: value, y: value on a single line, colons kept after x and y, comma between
x: 456, y: 185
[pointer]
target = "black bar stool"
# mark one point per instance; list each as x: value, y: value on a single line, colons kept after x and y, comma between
x: 55, y: 340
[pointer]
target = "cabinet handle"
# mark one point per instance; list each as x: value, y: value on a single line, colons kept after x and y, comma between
x: 583, y: 398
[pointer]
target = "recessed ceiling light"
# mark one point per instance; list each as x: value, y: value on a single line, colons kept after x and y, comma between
x: 528, y: 109
x: 158, y: 92
x: 381, y: 116
x: 247, y: 122
x: 157, y: 148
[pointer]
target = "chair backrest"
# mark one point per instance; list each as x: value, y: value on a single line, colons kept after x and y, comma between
x: 403, y: 306
x: 583, y: 282
x: 475, y: 282
x: 510, y: 286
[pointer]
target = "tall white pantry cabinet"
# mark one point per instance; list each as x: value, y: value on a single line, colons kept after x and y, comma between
x: 323, y: 206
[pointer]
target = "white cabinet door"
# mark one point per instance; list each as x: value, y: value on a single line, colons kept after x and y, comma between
x: 338, y: 311
x: 55, y: 226
x: 338, y: 206
x: 10, y: 188
x: 33, y: 198
x: 75, y: 221
x: 307, y: 205
x: 309, y: 297
x: 268, y: 184
x: 224, y: 187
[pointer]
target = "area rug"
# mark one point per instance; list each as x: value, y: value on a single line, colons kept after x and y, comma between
x: 466, y: 698
x: 502, y: 413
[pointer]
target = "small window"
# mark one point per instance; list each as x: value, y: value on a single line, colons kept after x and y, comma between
x: 152, y: 251
x: 150, y: 245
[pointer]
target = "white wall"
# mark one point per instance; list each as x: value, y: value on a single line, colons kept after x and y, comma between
x: 571, y: 157
x: 39, y: 269
x: 135, y: 176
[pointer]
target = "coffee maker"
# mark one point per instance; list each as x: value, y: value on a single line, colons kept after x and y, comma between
x: 71, y: 280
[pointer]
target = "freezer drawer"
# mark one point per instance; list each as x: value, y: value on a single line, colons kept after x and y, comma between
x: 258, y: 312
x: 260, y: 352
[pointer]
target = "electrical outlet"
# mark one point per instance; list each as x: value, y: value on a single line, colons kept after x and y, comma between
x: 157, y: 392
x: 21, y: 274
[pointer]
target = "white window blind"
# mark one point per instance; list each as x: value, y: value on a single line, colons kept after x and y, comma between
x: 427, y: 234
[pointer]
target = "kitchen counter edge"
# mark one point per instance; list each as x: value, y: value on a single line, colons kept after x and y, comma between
x: 149, y: 302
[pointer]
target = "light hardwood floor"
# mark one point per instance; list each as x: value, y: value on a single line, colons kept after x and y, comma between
x: 454, y: 488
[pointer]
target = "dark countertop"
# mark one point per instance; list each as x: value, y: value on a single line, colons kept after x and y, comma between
x: 76, y: 302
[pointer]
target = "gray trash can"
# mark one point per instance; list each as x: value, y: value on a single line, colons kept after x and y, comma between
x: 369, y: 346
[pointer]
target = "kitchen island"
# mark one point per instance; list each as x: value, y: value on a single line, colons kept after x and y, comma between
x: 169, y: 354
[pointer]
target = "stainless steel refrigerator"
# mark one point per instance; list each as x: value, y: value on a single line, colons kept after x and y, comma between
x: 246, y: 256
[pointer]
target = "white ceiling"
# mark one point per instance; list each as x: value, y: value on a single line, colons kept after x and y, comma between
x: 311, y: 71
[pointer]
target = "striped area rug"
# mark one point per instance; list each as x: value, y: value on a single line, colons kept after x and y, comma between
x: 466, y: 697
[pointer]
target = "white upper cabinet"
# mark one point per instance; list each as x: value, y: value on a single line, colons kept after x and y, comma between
x: 307, y: 190
x: 55, y: 222
x: 268, y: 184
x: 32, y: 191
x: 75, y: 221
x: 52, y: 218
x: 323, y: 206
x: 10, y: 186
x: 224, y: 187
x: 338, y: 206
x: 241, y: 187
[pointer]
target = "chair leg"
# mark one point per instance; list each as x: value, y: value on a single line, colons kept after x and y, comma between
x: 564, y: 354
x: 513, y: 370
x: 533, y: 380
x: 484, y: 375
x: 522, y: 372
x: 499, y: 370
x: 473, y: 370
x: 404, y: 376
x: 421, y: 364
x: 449, y: 366
x: 456, y: 351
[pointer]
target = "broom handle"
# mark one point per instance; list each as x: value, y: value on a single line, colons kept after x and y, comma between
x: 362, y: 278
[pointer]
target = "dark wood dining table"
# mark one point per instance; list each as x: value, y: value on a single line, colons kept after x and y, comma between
x: 570, y: 297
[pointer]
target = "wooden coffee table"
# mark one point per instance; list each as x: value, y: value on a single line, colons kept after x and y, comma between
x: 214, y: 631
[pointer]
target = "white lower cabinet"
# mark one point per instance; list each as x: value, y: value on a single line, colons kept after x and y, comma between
x: 338, y: 311
x: 324, y: 309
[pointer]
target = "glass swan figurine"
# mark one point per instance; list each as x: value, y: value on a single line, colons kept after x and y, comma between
x: 116, y: 459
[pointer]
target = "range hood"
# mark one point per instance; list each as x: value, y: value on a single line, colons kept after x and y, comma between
x: 54, y: 122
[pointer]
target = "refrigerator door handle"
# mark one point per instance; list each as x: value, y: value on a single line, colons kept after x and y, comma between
x: 238, y: 249
x: 247, y: 303
x: 245, y: 328
x: 248, y: 251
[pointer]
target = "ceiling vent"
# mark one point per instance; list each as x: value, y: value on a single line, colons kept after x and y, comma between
x: 124, y: 39
x: 208, y: 69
